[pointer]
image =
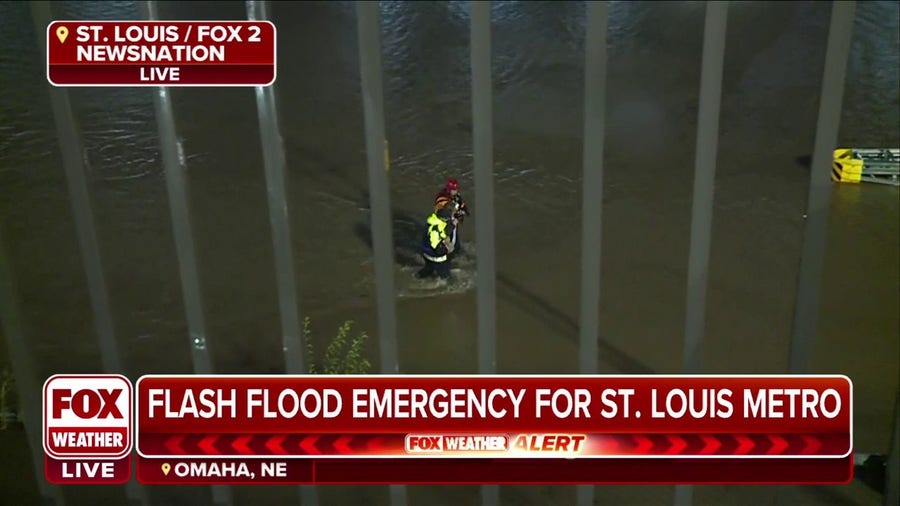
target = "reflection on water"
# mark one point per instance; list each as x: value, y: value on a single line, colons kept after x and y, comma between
x: 775, y: 52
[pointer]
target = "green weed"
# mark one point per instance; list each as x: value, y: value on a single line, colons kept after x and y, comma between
x: 343, y: 355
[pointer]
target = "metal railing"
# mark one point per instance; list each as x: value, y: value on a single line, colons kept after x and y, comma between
x: 370, y: 52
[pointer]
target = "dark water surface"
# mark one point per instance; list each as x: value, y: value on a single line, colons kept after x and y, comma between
x: 774, y: 57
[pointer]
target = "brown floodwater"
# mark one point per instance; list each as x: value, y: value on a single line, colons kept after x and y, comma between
x: 773, y: 68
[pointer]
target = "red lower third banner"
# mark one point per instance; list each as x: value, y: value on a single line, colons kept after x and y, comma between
x: 497, y: 445
x: 164, y: 75
x: 235, y: 471
x: 87, y: 471
x: 733, y: 429
x: 161, y: 53
x: 494, y: 416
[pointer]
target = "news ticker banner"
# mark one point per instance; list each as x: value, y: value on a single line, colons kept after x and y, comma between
x: 449, y: 429
x: 161, y: 53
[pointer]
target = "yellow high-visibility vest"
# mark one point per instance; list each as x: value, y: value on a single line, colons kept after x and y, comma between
x: 436, y: 230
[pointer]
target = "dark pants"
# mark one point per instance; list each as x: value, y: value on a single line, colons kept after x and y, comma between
x: 431, y: 269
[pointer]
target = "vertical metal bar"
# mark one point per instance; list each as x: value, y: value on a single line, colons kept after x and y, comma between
x: 704, y: 182
x: 812, y: 257
x: 369, y: 28
x: 892, y: 471
x: 75, y: 164
x: 369, y: 35
x: 176, y: 187
x: 274, y: 163
x: 591, y: 206
x: 483, y: 140
x: 483, y: 157
x: 24, y: 373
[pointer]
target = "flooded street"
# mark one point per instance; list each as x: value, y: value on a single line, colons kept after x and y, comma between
x: 773, y: 69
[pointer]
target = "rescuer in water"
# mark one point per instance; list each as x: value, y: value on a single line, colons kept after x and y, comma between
x: 450, y: 196
x: 437, y: 244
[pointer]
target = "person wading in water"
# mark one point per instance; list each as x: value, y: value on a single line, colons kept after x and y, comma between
x: 437, y: 244
x: 450, y: 196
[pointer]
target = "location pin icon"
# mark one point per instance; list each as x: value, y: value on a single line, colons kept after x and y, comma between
x: 166, y: 468
x: 62, y: 32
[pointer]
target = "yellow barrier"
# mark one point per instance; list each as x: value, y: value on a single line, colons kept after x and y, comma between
x: 846, y: 167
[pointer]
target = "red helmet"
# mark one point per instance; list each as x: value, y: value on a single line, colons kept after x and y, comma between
x: 452, y: 184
